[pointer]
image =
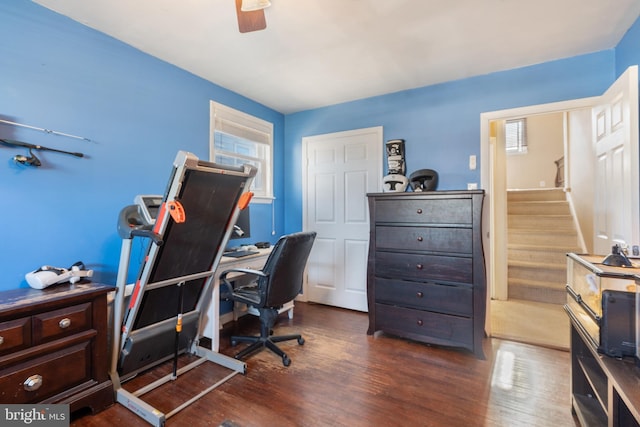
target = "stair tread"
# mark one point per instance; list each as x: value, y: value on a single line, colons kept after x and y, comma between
x: 537, y: 216
x: 537, y: 284
x: 535, y: 264
x: 539, y: 231
x: 538, y: 201
x: 542, y: 248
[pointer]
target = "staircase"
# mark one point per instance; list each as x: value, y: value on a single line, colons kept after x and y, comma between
x: 541, y: 231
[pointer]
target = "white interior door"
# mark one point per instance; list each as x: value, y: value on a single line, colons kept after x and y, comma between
x: 617, y: 186
x: 340, y: 169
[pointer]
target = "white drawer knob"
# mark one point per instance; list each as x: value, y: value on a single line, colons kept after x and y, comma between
x: 65, y: 323
x: 33, y: 383
x: 1, y: 340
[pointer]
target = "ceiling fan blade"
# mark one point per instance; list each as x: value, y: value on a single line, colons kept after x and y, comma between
x: 250, y: 21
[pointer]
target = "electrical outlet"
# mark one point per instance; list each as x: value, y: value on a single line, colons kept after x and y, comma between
x: 472, y: 186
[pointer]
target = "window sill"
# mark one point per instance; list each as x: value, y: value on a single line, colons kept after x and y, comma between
x: 262, y: 199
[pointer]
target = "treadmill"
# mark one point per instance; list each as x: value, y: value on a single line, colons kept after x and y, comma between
x: 186, y: 231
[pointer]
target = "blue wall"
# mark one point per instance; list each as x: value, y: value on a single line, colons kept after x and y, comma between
x: 441, y: 123
x: 138, y: 112
x: 628, y: 50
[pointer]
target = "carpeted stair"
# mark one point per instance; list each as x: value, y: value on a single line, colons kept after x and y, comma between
x: 541, y: 231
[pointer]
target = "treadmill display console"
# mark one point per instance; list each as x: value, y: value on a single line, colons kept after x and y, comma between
x: 149, y: 206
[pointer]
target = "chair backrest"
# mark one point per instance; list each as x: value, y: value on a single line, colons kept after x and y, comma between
x: 284, y: 268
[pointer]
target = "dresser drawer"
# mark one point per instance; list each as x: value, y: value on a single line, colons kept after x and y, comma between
x: 432, y: 211
x: 440, y: 328
x: 15, y: 335
x: 447, y: 299
x: 423, y: 267
x: 55, y: 372
x: 61, y: 323
x: 439, y: 239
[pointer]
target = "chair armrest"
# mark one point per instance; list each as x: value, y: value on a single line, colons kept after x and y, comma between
x: 228, y: 288
x: 256, y: 273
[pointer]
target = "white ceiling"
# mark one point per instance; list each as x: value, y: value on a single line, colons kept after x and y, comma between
x: 321, y: 52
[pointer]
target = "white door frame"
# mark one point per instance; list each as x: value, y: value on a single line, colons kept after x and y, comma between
x: 493, y: 181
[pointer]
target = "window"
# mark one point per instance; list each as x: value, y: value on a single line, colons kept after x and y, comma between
x: 516, y: 135
x: 238, y: 138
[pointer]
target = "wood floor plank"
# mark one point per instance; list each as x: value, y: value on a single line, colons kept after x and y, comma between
x: 343, y: 377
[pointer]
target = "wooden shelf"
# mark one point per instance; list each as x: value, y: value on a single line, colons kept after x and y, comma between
x: 589, y: 411
x: 596, y: 378
x: 605, y: 390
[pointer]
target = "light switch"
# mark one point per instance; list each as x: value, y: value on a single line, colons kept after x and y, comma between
x: 472, y: 162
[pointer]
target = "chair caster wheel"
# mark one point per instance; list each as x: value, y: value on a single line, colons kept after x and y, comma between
x: 285, y: 360
x: 300, y: 341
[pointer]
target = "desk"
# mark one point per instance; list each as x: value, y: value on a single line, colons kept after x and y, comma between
x: 211, y: 322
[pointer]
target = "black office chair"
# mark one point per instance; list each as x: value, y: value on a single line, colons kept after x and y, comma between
x: 279, y: 281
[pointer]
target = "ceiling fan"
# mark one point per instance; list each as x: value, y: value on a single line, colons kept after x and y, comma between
x: 251, y: 15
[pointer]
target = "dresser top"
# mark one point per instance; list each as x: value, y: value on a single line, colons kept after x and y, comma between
x: 16, y: 299
x: 426, y: 193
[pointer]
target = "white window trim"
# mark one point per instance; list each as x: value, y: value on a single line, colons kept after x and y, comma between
x: 250, y: 127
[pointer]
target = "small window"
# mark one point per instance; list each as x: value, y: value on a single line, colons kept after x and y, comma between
x: 516, y: 136
x: 238, y: 138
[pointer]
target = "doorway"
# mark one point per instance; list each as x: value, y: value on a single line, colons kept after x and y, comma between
x: 614, y: 143
x: 511, y: 319
x: 494, y: 181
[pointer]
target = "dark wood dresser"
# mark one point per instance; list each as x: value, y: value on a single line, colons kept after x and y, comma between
x: 426, y: 276
x: 53, y: 346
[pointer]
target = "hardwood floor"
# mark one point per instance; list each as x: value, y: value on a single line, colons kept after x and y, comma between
x: 343, y: 377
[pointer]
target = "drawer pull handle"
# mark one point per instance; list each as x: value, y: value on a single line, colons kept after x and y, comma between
x: 419, y: 211
x: 419, y: 322
x: 419, y: 294
x: 33, y: 383
x: 420, y: 239
x: 1, y: 340
x: 419, y: 266
x: 64, y: 323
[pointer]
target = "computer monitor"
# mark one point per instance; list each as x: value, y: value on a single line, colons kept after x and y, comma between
x: 242, y: 229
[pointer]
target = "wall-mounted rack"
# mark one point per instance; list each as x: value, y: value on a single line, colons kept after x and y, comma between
x: 54, y: 132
